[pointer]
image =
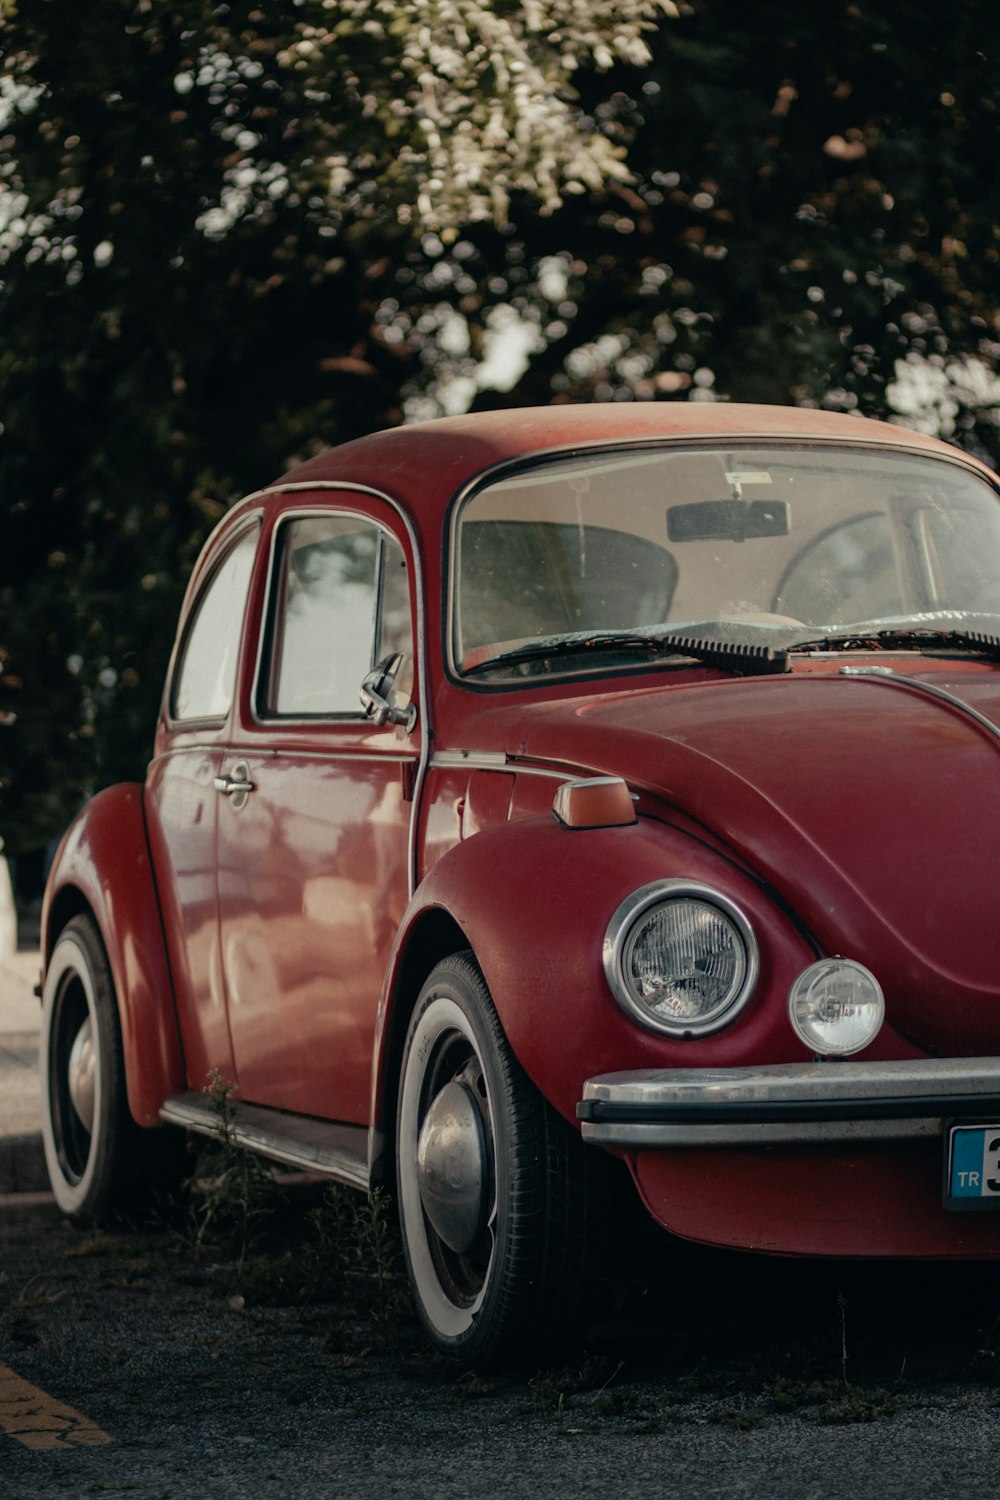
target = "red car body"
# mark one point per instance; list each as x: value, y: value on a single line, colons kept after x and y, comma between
x: 274, y: 899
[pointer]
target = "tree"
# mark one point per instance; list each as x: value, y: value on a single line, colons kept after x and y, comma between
x: 206, y: 209
x: 814, y: 200
x: 232, y: 239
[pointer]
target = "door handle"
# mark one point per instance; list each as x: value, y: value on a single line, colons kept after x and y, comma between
x: 237, y: 786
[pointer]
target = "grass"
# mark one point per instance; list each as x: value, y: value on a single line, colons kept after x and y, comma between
x: 833, y: 1402
x: 273, y: 1241
x: 268, y: 1244
x: 305, y: 1281
x: 739, y: 1342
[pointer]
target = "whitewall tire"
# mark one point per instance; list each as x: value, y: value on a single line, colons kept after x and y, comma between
x: 100, y: 1163
x: 499, y: 1200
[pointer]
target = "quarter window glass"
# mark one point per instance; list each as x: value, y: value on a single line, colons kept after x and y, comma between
x: 325, y: 628
x: 206, y: 676
x: 396, y: 631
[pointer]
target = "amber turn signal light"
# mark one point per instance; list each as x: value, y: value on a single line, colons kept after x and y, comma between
x: 597, y: 802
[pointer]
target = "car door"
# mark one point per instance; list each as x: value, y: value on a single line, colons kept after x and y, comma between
x: 314, y: 815
x: 181, y: 799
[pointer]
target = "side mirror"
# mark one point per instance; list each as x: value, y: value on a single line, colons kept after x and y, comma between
x: 378, y: 691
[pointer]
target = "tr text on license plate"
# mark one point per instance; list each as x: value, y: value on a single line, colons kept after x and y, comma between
x: 973, y: 1175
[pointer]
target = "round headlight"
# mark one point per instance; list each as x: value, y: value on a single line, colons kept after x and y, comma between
x: 836, y: 1007
x: 680, y: 958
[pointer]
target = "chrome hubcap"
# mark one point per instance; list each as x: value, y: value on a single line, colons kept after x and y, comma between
x: 451, y: 1166
x: 81, y: 1077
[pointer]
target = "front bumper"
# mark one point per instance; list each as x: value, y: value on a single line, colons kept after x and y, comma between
x: 788, y: 1103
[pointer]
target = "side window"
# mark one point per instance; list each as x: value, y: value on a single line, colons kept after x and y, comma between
x: 206, y: 672
x: 333, y: 617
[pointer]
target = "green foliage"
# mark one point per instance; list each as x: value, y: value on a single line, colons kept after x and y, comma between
x: 240, y: 1209
x: 232, y: 235
x: 812, y: 202
x: 235, y: 1193
x: 832, y: 1403
x: 356, y: 1240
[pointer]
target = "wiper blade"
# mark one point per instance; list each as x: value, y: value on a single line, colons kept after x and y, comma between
x: 901, y: 640
x: 729, y: 656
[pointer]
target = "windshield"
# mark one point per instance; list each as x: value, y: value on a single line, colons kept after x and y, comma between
x: 745, y: 545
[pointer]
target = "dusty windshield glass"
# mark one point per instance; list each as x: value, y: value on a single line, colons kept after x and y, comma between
x: 745, y: 545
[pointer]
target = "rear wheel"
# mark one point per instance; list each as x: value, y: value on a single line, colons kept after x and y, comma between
x: 499, y: 1199
x: 100, y: 1162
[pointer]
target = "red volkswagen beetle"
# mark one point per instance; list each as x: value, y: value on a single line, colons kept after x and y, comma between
x: 544, y: 794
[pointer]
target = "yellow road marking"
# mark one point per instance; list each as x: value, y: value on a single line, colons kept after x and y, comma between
x: 37, y: 1420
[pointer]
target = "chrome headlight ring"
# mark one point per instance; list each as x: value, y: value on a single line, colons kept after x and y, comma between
x: 680, y: 958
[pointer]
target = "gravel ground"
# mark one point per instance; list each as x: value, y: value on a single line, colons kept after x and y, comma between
x: 303, y: 1376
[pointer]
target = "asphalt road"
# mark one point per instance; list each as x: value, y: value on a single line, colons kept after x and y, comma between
x: 131, y: 1364
x: 136, y: 1363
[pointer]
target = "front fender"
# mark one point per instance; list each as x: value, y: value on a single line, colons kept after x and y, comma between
x: 533, y: 900
x: 103, y: 866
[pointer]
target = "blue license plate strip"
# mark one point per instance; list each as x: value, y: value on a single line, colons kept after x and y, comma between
x: 972, y: 1175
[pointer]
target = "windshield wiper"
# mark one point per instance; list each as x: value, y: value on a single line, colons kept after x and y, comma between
x: 903, y: 639
x: 729, y: 656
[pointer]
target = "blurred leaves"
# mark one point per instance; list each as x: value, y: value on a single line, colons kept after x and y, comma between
x: 232, y: 235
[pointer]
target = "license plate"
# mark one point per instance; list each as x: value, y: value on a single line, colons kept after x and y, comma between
x: 973, y: 1175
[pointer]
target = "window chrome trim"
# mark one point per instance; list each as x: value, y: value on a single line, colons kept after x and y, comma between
x: 494, y: 760
x: 425, y: 727
x: 200, y: 582
x: 623, y: 923
x: 272, y: 591
x: 478, y: 760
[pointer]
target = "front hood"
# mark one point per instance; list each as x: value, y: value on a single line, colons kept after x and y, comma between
x: 870, y: 805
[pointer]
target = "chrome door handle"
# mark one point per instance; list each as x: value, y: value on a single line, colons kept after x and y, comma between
x: 237, y: 786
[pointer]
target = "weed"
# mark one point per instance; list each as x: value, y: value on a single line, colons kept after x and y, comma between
x: 552, y: 1390
x: 549, y: 1393
x: 856, y: 1405
x: 744, y: 1421
x: 93, y: 1244
x: 624, y: 1401
x: 354, y: 1247
x: 842, y: 1308
x: 290, y: 1245
x: 831, y: 1402
x: 470, y: 1386
x: 234, y: 1191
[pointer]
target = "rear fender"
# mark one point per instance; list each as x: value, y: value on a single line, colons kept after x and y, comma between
x: 103, y: 867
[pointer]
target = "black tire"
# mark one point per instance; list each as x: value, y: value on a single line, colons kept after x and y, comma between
x: 500, y: 1260
x: 101, y: 1164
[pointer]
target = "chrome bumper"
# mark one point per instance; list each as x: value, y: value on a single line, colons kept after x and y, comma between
x: 788, y: 1103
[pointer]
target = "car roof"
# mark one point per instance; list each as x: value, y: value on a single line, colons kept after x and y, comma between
x: 424, y: 464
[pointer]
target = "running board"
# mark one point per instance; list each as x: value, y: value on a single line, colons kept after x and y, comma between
x: 300, y: 1141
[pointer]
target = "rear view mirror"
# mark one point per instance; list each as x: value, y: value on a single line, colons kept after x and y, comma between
x: 727, y: 520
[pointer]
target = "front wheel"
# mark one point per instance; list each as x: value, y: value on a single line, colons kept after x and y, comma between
x: 499, y: 1199
x: 100, y: 1162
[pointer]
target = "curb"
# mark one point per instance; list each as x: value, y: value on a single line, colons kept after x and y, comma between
x: 22, y: 1165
